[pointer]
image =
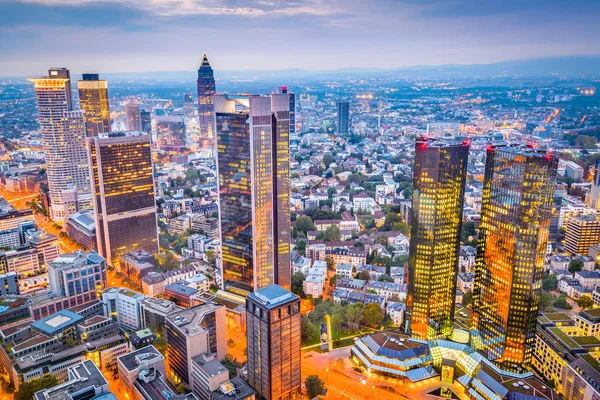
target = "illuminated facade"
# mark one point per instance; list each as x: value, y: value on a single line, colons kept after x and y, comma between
x: 513, y: 234
x: 284, y: 90
x: 206, y: 104
x: 273, y: 334
x: 253, y: 168
x: 583, y: 232
x: 63, y: 135
x: 93, y: 99
x: 440, y: 169
x: 133, y: 118
x: 124, y: 205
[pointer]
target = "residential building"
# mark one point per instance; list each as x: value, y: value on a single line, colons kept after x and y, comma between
x: 124, y: 204
x: 515, y: 219
x: 439, y: 185
x: 273, y: 340
x: 253, y: 168
x: 93, y: 99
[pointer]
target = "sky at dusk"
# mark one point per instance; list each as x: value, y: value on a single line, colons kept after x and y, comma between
x: 171, y: 35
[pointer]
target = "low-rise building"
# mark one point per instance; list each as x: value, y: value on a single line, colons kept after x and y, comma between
x: 84, y: 381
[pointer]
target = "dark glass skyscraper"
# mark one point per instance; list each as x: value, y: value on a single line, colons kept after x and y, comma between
x: 123, y: 189
x: 273, y: 333
x: 343, y: 117
x: 206, y: 104
x: 93, y: 98
x: 515, y: 218
x: 253, y: 168
x: 440, y: 169
x: 284, y: 90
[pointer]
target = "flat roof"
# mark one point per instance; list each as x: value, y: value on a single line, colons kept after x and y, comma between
x: 82, y: 376
x: 56, y: 322
x: 130, y: 362
x: 272, y: 296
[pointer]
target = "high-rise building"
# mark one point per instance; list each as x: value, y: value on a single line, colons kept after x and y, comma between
x: 188, y: 105
x: 79, y: 276
x: 273, y: 334
x: 93, y: 99
x: 253, y: 168
x: 123, y: 189
x: 190, y: 333
x: 583, y: 232
x: 440, y: 169
x: 63, y: 136
x: 206, y: 105
x: 284, y: 90
x: 518, y: 191
x: 343, y: 117
x: 133, y: 119
x: 595, y: 192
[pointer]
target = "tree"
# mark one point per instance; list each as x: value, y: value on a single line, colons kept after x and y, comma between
x: 385, y: 278
x: 550, y: 282
x: 390, y: 219
x: 166, y: 261
x: 297, y: 284
x: 210, y: 256
x: 330, y: 263
x: 307, y: 330
x: 468, y: 229
x: 561, y: 301
x: 301, y: 247
x: 575, y: 265
x: 231, y: 364
x: 337, y: 320
x: 585, y: 302
x: 334, y: 279
x: 304, y: 224
x: 28, y: 389
x: 354, y: 315
x: 364, y: 275
x: 314, y: 386
x: 546, y: 300
x: 373, y: 315
x: 332, y: 233
x: 467, y: 299
x: 327, y: 160
x: 191, y: 175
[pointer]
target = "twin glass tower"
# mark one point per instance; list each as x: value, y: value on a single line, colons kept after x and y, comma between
x: 515, y: 219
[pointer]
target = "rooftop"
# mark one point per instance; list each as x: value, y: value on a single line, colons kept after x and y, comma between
x: 272, y: 296
x: 189, y: 320
x: 235, y: 389
x: 85, y: 375
x: 77, y: 259
x: 56, y: 322
x: 131, y: 360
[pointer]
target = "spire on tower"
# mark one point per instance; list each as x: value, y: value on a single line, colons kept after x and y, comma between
x: 205, y: 62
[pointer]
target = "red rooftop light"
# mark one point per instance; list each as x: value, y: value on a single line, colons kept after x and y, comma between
x: 422, y: 145
x: 490, y: 148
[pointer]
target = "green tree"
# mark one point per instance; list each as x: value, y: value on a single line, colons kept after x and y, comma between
x: 467, y: 299
x: 373, y: 315
x: 301, y: 247
x: 561, y: 302
x: 550, y: 282
x: 327, y: 160
x: 385, y: 278
x: 333, y: 279
x: 337, y: 321
x: 307, y: 329
x: 468, y: 229
x: 585, y: 302
x: 354, y: 315
x: 332, y: 233
x: 231, y: 364
x: 28, y: 389
x: 546, y: 300
x: 575, y: 265
x: 304, y: 224
x: 297, y: 284
x: 354, y: 178
x: 364, y: 275
x: 166, y: 261
x: 391, y: 218
x: 191, y: 175
x: 314, y: 386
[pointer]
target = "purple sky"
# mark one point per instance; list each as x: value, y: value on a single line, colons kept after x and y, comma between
x: 171, y: 35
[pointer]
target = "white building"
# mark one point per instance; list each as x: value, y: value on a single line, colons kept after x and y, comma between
x: 124, y: 305
x: 396, y: 310
x: 344, y: 270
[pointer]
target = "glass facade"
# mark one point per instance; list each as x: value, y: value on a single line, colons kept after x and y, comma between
x: 124, y: 194
x: 253, y: 167
x: 206, y: 105
x: 343, y: 117
x: 439, y: 183
x: 515, y: 219
x: 93, y: 99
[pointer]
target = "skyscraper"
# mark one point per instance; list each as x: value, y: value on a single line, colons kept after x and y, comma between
x: 206, y: 105
x: 284, y: 90
x: 93, y: 99
x: 133, y: 119
x: 583, y: 232
x: 123, y: 188
x: 595, y: 192
x: 253, y: 168
x: 273, y: 334
x: 343, y: 117
x: 515, y: 217
x: 440, y: 169
x: 63, y: 135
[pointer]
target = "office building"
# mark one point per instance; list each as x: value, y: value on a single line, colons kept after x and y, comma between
x: 124, y: 204
x: 191, y: 332
x: 188, y: 105
x: 440, y: 169
x: 131, y: 365
x: 207, y: 375
x: 273, y: 340
x: 79, y: 276
x: 515, y: 218
x: 583, y: 232
x: 124, y: 306
x: 284, y: 90
x: 573, y: 170
x: 81, y: 227
x: 63, y: 136
x: 253, y: 168
x: 594, y: 201
x: 343, y: 117
x: 206, y: 105
x: 133, y: 120
x: 170, y: 133
x: 93, y: 99
x: 9, y: 284
x: 84, y: 382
